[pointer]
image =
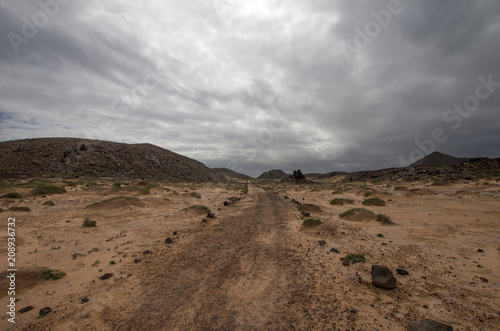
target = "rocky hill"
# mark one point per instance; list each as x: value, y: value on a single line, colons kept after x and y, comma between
x: 230, y: 173
x: 466, y: 170
x: 74, y: 157
x: 273, y: 174
x: 437, y: 159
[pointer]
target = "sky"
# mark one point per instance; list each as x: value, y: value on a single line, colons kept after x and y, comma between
x: 257, y: 85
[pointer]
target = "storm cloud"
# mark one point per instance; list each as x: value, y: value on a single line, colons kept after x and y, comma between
x: 257, y: 85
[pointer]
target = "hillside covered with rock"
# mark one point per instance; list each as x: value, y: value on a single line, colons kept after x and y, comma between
x: 74, y: 157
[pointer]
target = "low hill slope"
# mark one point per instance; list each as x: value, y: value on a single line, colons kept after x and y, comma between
x: 74, y: 157
x: 230, y: 173
x: 273, y: 174
x: 437, y: 159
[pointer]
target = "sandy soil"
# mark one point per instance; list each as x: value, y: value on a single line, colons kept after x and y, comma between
x: 254, y: 266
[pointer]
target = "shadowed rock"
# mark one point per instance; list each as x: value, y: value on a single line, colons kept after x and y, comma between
x: 383, y: 277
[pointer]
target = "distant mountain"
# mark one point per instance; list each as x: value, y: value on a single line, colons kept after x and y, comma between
x: 230, y: 173
x: 273, y: 174
x: 437, y: 159
x: 73, y: 157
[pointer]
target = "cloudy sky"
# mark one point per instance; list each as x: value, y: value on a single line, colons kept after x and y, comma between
x: 256, y: 85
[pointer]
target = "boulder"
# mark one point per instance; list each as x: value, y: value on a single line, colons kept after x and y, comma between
x: 383, y: 277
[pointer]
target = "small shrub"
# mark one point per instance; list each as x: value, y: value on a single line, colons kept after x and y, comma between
x: 349, y: 212
x: 48, y: 203
x: 337, y: 192
x: 195, y: 195
x: 380, y: 235
x: 12, y: 195
x: 400, y: 188
x: 17, y: 208
x: 355, y: 258
x: 202, y: 208
x: 46, y: 188
x: 440, y: 183
x: 88, y: 223
x: 341, y: 201
x: 112, y: 262
x: 233, y: 199
x: 312, y: 221
x: 69, y: 183
x: 143, y: 183
x: 53, y: 274
x: 368, y: 193
x: 309, y: 207
x: 374, y: 202
x: 384, y: 219
x: 116, y: 186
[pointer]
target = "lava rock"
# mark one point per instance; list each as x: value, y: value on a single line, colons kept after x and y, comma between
x: 137, y: 260
x: 210, y: 215
x: 402, y: 272
x: 227, y: 203
x: 169, y: 240
x: 147, y: 251
x: 84, y: 300
x: 480, y: 250
x: 484, y: 279
x: 429, y: 325
x: 345, y: 261
x: 25, y: 309
x: 321, y: 242
x: 334, y: 250
x: 383, y: 277
x: 45, y: 311
x: 174, y: 233
x: 306, y: 214
x: 106, y: 276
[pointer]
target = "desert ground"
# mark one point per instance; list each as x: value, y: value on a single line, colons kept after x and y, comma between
x: 255, y: 265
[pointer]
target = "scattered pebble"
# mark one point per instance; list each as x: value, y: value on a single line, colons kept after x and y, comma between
x: 45, y: 311
x: 106, y: 276
x: 25, y: 309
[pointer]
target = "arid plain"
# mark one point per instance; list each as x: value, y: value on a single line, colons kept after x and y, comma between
x: 255, y: 265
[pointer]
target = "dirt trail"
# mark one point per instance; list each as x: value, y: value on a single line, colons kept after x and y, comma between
x: 239, y: 272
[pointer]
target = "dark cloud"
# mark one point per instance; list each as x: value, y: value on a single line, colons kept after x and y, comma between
x: 256, y: 85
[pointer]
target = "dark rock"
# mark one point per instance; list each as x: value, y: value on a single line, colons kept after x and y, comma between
x: 84, y: 300
x: 428, y: 325
x: 227, y: 203
x: 146, y: 252
x: 106, y: 276
x: 334, y: 250
x: 383, y: 277
x: 25, y: 309
x: 210, y: 215
x: 484, y: 279
x: 45, y: 311
x: 402, y: 272
x: 204, y: 220
x: 137, y: 260
x: 306, y: 214
x: 174, y: 233
x: 353, y: 310
x: 286, y: 197
x: 169, y: 240
x: 321, y: 242
x: 345, y: 261
x: 480, y: 251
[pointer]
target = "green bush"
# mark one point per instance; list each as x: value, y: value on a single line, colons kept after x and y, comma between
x: 355, y: 258
x: 46, y: 188
x: 312, y: 221
x: 349, y: 212
x: 53, y: 274
x: 384, y: 219
x: 374, y: 202
x: 16, y: 208
x: 233, y: 199
x: 195, y: 195
x: 341, y: 201
x: 112, y: 199
x: 88, y: 223
x: 48, y: 203
x: 400, y: 188
x: 12, y: 195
